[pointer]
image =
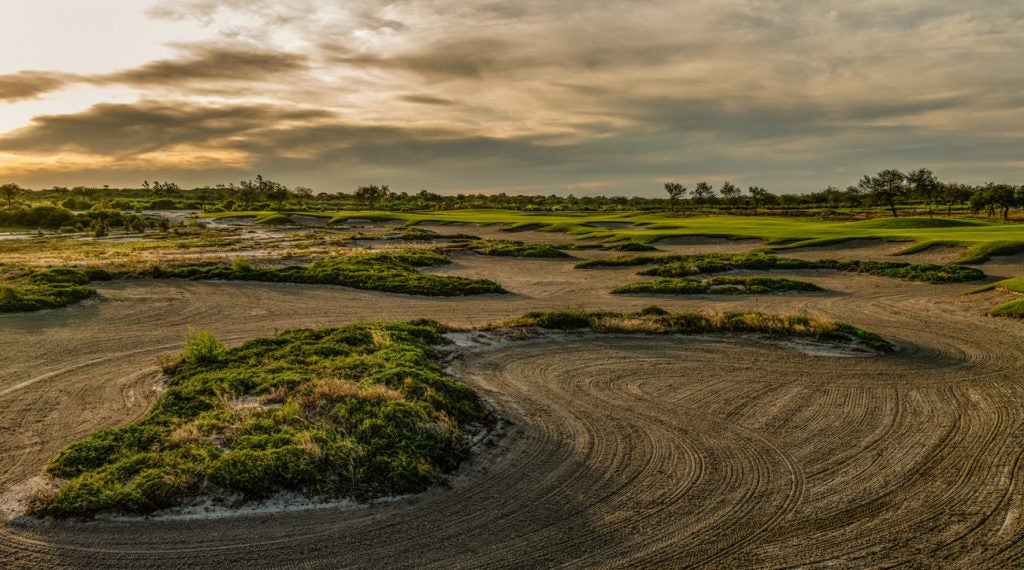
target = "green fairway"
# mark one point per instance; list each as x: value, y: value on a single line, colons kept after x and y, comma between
x: 1012, y: 308
x: 982, y: 237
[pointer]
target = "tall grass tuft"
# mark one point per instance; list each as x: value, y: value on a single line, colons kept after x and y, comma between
x: 201, y: 347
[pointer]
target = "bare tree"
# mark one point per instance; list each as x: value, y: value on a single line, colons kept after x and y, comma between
x: 675, y: 191
x: 730, y: 193
x: 703, y: 193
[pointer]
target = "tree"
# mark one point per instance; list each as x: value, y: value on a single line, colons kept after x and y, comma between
x: 675, y: 191
x: 853, y: 196
x: 887, y: 186
x: 956, y: 194
x: 1001, y: 196
x: 730, y: 193
x: 9, y: 192
x: 925, y: 186
x: 760, y: 197
x: 372, y: 194
x: 248, y: 191
x: 703, y: 193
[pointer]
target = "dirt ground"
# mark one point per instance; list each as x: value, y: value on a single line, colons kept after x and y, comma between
x: 622, y: 451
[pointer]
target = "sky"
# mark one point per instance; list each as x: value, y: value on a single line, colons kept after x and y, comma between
x: 525, y: 97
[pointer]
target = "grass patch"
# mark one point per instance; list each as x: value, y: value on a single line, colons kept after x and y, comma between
x: 512, y: 248
x: 48, y: 289
x: 918, y: 223
x: 689, y: 265
x: 1012, y: 308
x: 274, y: 219
x: 633, y: 246
x: 658, y: 321
x: 389, y: 271
x: 355, y: 411
x: 625, y: 261
x: 983, y: 252
x: 414, y: 233
x: 716, y: 286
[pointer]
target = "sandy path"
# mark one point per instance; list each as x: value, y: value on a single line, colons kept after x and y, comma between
x: 627, y: 451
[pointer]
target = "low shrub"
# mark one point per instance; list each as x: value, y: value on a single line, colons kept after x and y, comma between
x: 716, y: 286
x: 633, y: 246
x: 202, y: 347
x: 657, y: 321
x: 689, y: 265
x: 48, y: 289
x: 355, y: 411
x: 511, y: 248
x: 390, y: 271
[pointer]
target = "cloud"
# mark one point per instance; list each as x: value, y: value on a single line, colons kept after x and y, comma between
x: 211, y: 62
x: 426, y: 100
x: 31, y: 84
x: 203, y: 63
x: 558, y: 95
x: 149, y: 126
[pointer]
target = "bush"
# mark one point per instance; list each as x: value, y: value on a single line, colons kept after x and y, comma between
x: 634, y: 246
x: 38, y: 217
x: 358, y: 411
x: 391, y: 271
x: 717, y: 286
x: 48, y: 289
x: 510, y: 248
x: 202, y: 347
x: 690, y: 265
x: 658, y: 321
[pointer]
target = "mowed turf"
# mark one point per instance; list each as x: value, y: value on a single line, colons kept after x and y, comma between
x: 1012, y: 308
x: 983, y: 237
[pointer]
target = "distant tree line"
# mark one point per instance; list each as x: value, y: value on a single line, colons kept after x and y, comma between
x: 892, y: 191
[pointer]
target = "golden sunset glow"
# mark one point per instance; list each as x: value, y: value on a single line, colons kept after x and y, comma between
x: 544, y: 97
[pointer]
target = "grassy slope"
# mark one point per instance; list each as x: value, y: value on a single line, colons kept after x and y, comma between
x: 359, y: 410
x: 716, y: 286
x: 982, y: 236
x: 1012, y: 308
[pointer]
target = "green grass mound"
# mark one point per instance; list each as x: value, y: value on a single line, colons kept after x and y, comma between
x: 49, y: 289
x: 512, y: 248
x: 985, y: 251
x: 390, y: 271
x: 633, y: 246
x: 916, y: 223
x: 624, y: 261
x: 689, y: 265
x: 355, y: 411
x: 422, y: 234
x: 1014, y: 308
x: 274, y: 220
x: 655, y: 320
x: 716, y: 286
